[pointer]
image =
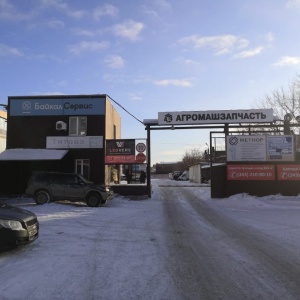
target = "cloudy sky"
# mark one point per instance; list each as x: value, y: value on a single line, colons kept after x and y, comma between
x: 151, y: 56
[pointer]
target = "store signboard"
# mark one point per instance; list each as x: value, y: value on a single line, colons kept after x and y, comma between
x: 280, y: 148
x: 251, y: 172
x: 74, y: 142
x: 215, y: 117
x: 54, y: 107
x: 125, y: 151
x: 246, y: 148
x: 288, y: 172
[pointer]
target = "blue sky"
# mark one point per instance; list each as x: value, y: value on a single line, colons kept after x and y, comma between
x: 151, y: 56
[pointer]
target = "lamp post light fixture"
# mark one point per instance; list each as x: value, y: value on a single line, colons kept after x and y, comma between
x: 288, y: 117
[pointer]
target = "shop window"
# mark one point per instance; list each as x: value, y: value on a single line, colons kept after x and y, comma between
x: 82, y: 166
x: 77, y: 126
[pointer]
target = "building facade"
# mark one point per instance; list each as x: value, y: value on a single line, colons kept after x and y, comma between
x: 3, y: 127
x: 58, y: 133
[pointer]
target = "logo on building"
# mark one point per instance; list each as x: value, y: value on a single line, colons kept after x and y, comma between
x: 120, y: 144
x: 233, y: 141
x: 26, y: 105
x: 168, y: 118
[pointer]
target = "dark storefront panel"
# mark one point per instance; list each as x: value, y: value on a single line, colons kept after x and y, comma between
x: 14, y: 175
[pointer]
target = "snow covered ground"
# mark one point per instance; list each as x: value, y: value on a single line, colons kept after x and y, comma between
x: 72, y: 258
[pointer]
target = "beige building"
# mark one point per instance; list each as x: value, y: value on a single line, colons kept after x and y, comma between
x: 3, y: 118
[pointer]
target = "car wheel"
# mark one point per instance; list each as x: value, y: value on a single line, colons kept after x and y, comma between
x: 42, y: 197
x: 93, y: 200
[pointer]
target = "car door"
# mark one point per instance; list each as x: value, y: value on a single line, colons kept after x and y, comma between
x: 74, y: 187
x: 56, y: 187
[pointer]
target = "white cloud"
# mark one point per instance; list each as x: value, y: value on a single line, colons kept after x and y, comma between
x: 163, y: 3
x: 269, y: 37
x: 84, y: 32
x: 105, y: 10
x: 63, y: 7
x: 293, y: 4
x: 115, y: 62
x: 55, y: 24
x: 188, y: 62
x: 249, y: 53
x: 221, y: 44
x: 287, y: 61
x: 88, y: 46
x: 9, y: 12
x: 135, y: 97
x: 173, y: 82
x: 129, y: 29
x: 50, y: 93
x: 9, y: 51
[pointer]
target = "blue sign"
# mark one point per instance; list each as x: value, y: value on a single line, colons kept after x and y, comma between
x: 54, y: 107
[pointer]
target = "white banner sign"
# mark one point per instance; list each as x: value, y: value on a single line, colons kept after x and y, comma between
x: 246, y: 148
x: 74, y: 142
x: 215, y: 117
x: 280, y: 148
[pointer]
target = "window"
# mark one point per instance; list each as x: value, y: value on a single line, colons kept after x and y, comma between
x: 77, y: 126
x: 82, y: 167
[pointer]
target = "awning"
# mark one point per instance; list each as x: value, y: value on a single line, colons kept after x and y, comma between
x: 32, y: 154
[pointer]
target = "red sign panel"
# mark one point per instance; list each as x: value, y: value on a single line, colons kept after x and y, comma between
x: 140, y: 158
x: 119, y: 159
x: 288, y: 172
x: 250, y: 172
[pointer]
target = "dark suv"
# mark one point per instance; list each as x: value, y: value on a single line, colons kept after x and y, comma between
x: 44, y: 187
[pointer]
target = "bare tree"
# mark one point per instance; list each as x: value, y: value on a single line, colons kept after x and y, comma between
x: 192, y: 157
x: 284, y: 100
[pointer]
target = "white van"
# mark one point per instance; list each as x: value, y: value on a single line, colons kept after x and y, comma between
x: 184, y: 176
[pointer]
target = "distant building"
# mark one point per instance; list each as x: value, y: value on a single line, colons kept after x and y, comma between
x: 3, y: 128
x: 167, y: 167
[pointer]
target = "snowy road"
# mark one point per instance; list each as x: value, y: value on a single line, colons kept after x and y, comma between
x: 228, y: 253
x: 180, y: 244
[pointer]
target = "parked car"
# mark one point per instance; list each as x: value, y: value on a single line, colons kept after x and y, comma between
x: 45, y: 187
x: 176, y: 174
x: 17, y: 226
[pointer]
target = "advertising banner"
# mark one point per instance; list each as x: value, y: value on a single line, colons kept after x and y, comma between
x: 280, y: 148
x: 288, y: 172
x: 120, y: 151
x: 215, y: 117
x: 246, y: 148
x: 250, y: 172
x: 127, y: 151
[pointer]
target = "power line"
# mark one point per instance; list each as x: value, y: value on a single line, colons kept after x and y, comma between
x: 125, y: 110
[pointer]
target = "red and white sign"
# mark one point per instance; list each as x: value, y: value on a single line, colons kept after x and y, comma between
x: 140, y: 147
x: 288, y: 172
x: 250, y: 172
x: 140, y: 158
